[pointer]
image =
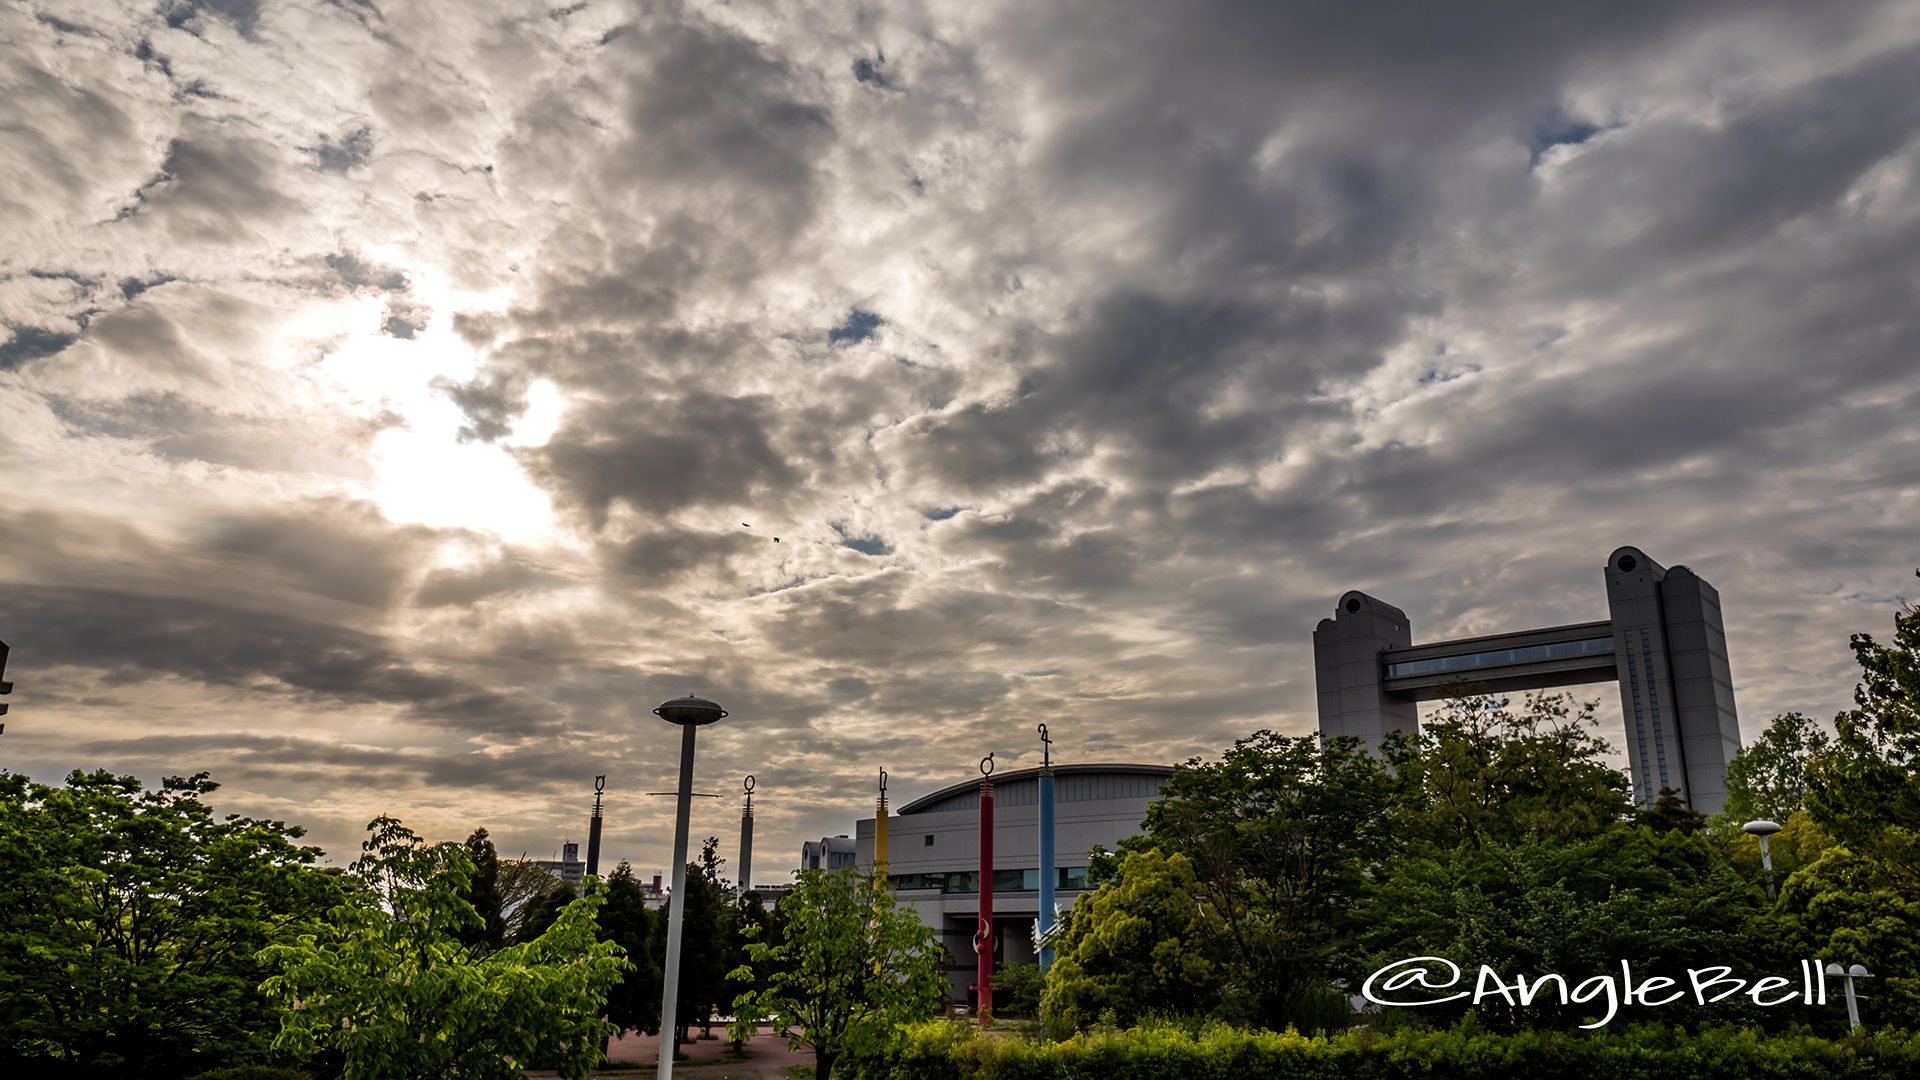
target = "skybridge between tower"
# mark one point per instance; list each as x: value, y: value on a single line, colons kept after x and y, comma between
x: 1522, y: 660
x: 1665, y: 644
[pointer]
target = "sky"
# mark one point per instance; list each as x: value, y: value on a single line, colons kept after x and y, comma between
x: 399, y: 401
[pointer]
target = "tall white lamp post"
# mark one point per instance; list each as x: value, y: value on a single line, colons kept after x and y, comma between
x: 691, y: 713
x: 1764, y: 829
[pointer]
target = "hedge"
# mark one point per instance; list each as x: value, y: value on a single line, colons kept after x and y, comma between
x: 942, y: 1050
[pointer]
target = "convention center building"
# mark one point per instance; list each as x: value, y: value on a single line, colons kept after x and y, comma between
x: 933, y: 851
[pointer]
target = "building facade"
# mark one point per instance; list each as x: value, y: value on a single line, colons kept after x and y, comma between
x: 934, y: 851
x: 827, y: 853
x: 568, y: 867
x: 1664, y: 642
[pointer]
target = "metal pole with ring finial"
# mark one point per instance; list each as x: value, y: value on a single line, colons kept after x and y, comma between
x: 691, y: 713
x: 983, y: 937
x: 593, y: 829
x: 746, y: 841
x: 880, y: 835
x: 1046, y: 850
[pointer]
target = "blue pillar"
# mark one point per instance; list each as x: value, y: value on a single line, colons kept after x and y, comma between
x: 1047, y: 870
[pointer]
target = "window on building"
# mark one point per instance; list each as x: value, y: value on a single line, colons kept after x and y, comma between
x: 1004, y: 881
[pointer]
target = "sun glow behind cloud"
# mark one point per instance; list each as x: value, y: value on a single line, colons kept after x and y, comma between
x: 424, y: 471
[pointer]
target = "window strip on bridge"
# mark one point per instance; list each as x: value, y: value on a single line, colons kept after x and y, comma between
x: 1556, y: 651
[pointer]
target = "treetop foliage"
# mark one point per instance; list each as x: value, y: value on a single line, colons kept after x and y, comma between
x: 1485, y: 770
x: 1768, y: 777
x: 129, y: 923
x: 391, y: 985
x: 1275, y: 837
x: 1140, y: 945
x: 1865, y: 788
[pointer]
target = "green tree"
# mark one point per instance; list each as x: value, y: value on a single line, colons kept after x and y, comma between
x: 523, y: 886
x: 708, y: 950
x: 129, y: 920
x: 633, y: 1005
x: 1865, y: 788
x: 1524, y: 853
x: 1139, y: 944
x: 1541, y: 904
x: 543, y: 908
x: 1026, y: 982
x: 1842, y: 908
x: 484, y: 894
x: 1669, y: 814
x: 850, y: 965
x: 1482, y: 770
x: 1768, y: 777
x: 387, y: 982
x: 1279, y: 834
x: 755, y: 922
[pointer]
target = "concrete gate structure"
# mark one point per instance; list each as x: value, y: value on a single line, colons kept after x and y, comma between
x: 1664, y: 643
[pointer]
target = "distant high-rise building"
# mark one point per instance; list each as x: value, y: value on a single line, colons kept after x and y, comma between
x: 568, y: 868
x: 829, y: 853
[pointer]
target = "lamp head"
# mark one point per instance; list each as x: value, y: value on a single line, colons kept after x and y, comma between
x: 1762, y: 827
x: 689, y: 710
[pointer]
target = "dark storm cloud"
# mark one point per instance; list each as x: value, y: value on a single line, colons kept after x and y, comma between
x: 671, y: 553
x: 880, y: 619
x: 75, y: 136
x: 668, y: 454
x: 216, y: 186
x: 337, y: 549
x: 713, y: 110
x: 1147, y: 373
x: 1437, y: 67
x: 1792, y: 155
x: 146, y: 334
x: 186, y: 430
x: 290, y: 759
x: 464, y: 587
x: 980, y: 446
x: 135, y: 637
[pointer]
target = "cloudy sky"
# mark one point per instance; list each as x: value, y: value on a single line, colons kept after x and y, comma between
x: 397, y: 401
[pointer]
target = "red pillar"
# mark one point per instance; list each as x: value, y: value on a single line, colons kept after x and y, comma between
x: 983, y: 937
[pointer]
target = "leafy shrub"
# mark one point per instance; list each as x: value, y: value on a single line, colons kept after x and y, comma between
x: 942, y: 1050
x: 1027, y: 982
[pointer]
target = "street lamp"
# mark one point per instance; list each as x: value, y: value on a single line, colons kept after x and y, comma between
x: 691, y: 713
x: 1855, y: 971
x: 1763, y: 829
